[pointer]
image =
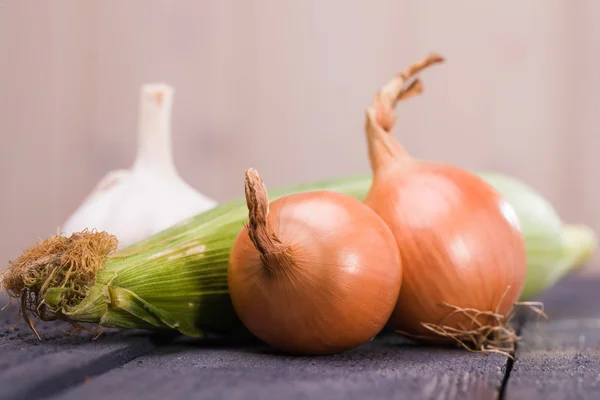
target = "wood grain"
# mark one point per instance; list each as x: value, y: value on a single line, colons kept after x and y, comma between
x: 33, y: 369
x: 564, y: 362
x: 386, y: 368
x: 129, y: 365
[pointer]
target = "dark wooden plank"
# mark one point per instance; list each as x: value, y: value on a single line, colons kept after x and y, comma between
x: 386, y: 368
x: 33, y: 369
x: 564, y: 361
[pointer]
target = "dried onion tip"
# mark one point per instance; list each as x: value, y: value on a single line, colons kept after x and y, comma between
x: 313, y: 272
x: 462, y: 249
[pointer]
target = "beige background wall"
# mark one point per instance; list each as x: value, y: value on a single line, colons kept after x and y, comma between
x: 282, y: 86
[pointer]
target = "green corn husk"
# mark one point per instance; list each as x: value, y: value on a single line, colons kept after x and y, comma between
x: 177, y: 279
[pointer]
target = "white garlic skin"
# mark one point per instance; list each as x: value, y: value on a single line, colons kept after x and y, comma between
x: 136, y: 203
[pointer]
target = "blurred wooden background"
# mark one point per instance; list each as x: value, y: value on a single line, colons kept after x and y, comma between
x: 282, y: 86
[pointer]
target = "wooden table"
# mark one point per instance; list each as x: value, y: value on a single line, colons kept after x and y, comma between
x: 564, y: 364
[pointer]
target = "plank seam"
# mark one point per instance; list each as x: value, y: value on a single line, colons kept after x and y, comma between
x: 510, y: 363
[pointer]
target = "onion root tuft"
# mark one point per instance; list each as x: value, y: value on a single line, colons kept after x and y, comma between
x: 497, y: 335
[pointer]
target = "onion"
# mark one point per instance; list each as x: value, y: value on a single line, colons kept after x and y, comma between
x: 462, y: 249
x: 313, y: 273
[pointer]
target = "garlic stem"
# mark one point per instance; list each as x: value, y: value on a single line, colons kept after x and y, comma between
x: 154, y: 152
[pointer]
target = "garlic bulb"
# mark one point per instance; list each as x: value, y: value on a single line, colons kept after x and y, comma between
x: 151, y: 196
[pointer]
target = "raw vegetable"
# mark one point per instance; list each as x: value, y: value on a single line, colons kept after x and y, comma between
x: 151, y: 196
x: 553, y: 248
x: 579, y: 245
x: 177, y: 279
x: 313, y: 273
x: 463, y: 253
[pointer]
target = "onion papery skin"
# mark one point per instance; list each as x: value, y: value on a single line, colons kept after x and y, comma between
x: 462, y: 249
x: 460, y: 243
x: 332, y: 285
